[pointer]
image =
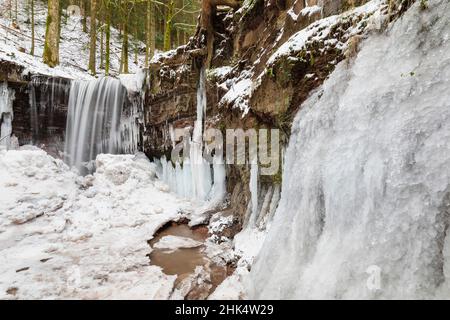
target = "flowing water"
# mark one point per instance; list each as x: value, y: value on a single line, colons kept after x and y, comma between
x: 364, y: 210
x: 97, y: 122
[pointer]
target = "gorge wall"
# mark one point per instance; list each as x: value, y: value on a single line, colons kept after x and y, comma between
x: 266, y: 58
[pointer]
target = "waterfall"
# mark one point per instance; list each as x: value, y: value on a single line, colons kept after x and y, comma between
x: 196, y: 178
x: 97, y: 122
x: 6, y: 114
x: 48, y: 100
x: 366, y: 180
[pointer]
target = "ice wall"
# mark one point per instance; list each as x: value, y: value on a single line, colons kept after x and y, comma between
x: 97, y: 122
x: 364, y: 210
x: 6, y: 114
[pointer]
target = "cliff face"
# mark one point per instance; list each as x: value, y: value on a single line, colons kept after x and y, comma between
x: 39, y: 107
x: 268, y: 56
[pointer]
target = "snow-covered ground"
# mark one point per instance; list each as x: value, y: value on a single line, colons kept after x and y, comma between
x: 67, y: 236
x: 64, y: 236
x: 74, y: 43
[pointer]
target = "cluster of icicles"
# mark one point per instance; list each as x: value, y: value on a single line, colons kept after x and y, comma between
x: 6, y: 114
x: 196, y: 178
x: 97, y: 123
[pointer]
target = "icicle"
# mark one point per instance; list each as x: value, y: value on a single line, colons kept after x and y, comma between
x: 195, y: 179
x: 200, y: 168
x: 6, y: 114
x: 218, y: 189
x: 254, y: 191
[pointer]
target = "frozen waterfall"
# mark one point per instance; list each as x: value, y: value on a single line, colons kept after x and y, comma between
x: 6, y: 114
x: 197, y: 178
x: 97, y: 122
x: 366, y: 182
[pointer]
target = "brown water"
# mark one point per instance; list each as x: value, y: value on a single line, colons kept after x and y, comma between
x: 182, y: 262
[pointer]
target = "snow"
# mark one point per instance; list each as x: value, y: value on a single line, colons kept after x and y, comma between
x: 230, y: 289
x: 171, y: 243
x: 164, y: 55
x: 81, y: 237
x: 134, y: 82
x: 319, y: 30
x: 220, y: 72
x: 366, y: 181
x: 74, y: 45
x: 238, y: 95
x: 309, y: 11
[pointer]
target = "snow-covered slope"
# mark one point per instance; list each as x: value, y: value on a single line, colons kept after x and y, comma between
x: 74, y: 45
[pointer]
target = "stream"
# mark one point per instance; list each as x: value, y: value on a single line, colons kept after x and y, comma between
x: 182, y: 262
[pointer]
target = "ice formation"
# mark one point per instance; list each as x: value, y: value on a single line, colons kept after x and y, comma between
x: 97, y: 122
x: 366, y: 183
x: 6, y: 114
x: 197, y: 178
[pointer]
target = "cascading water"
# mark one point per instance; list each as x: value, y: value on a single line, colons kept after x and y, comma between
x: 364, y: 211
x: 97, y: 122
x: 6, y: 114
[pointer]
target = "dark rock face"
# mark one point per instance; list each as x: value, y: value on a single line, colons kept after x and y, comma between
x: 40, y: 112
x: 170, y: 102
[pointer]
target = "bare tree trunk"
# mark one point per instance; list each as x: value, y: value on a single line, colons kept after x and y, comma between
x: 93, y: 36
x: 102, y: 35
x: 32, y: 28
x: 125, y: 48
x: 168, y: 29
x: 136, y: 46
x: 108, y: 37
x: 150, y: 45
x: 16, y: 12
x: 51, y: 45
x: 84, y: 13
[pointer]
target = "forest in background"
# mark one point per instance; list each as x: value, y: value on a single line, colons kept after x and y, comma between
x: 160, y: 25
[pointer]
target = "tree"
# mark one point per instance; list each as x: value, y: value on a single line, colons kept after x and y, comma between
x: 32, y: 28
x: 52, y: 31
x: 151, y: 34
x: 102, y: 35
x: 168, y: 29
x: 125, y: 7
x: 83, y: 4
x: 107, y: 36
x: 93, y: 36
